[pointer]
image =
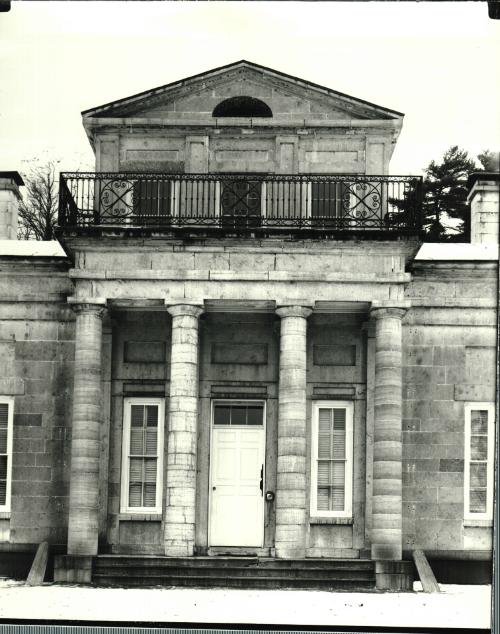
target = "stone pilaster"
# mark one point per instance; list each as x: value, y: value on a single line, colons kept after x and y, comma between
x: 85, y: 434
x: 291, y: 476
x: 182, y: 431
x: 386, y: 529
x: 484, y: 198
x: 369, y: 328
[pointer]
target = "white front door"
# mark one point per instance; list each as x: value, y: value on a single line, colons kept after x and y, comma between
x: 237, y: 474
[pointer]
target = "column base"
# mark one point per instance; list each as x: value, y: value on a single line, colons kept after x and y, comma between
x: 394, y: 575
x: 387, y: 552
x: 73, y: 569
x: 179, y: 547
x: 289, y: 552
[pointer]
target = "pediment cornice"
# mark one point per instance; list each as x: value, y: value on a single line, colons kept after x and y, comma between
x: 242, y: 72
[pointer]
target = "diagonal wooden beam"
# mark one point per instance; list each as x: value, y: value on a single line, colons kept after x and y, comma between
x: 39, y: 565
x: 429, y: 583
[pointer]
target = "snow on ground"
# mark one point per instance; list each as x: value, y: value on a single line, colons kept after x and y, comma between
x: 456, y: 606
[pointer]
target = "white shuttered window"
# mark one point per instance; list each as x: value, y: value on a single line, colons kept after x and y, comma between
x: 331, y: 459
x: 6, y: 418
x: 479, y: 456
x: 142, y: 455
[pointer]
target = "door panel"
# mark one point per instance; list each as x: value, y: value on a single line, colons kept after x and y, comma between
x: 236, y: 500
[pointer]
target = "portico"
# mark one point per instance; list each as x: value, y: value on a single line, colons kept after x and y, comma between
x: 242, y: 350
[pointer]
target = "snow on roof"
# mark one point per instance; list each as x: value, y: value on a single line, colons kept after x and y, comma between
x: 31, y: 248
x: 457, y: 251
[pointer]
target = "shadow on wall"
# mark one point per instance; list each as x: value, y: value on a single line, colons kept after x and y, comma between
x: 16, y: 565
x: 462, y: 572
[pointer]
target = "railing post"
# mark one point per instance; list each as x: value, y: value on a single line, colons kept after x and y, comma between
x: 61, y: 211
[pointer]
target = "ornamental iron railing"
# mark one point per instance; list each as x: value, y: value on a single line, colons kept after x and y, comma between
x: 389, y: 204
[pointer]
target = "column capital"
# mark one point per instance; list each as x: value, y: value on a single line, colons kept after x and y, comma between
x: 382, y: 309
x: 294, y: 311
x: 95, y: 305
x: 181, y: 310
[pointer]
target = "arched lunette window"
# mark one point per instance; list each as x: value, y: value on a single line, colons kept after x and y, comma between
x: 242, y: 107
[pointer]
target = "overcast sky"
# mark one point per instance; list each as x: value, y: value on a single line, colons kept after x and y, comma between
x: 435, y: 61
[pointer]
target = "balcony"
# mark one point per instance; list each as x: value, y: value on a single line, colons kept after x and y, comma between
x: 241, y: 204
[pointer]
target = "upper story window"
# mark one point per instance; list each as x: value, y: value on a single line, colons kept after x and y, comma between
x: 242, y: 107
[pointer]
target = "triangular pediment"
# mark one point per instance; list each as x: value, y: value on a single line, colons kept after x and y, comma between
x: 286, y: 96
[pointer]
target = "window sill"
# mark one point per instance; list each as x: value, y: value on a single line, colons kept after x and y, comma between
x: 139, y: 517
x: 4, y: 515
x: 478, y: 523
x: 331, y: 520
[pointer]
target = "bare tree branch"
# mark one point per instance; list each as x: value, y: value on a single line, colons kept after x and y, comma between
x: 38, y: 213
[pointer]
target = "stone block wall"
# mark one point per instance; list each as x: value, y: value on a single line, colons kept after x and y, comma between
x: 449, y: 358
x: 337, y: 366
x: 138, y: 359
x: 241, y: 270
x: 37, y: 351
x: 264, y: 151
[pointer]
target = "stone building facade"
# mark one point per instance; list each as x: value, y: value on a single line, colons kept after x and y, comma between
x: 238, y: 352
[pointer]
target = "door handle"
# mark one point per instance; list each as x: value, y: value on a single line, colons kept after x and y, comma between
x: 261, y: 485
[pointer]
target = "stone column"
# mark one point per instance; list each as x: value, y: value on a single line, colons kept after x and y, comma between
x: 386, y: 530
x: 85, y: 433
x: 291, y: 477
x: 182, y: 431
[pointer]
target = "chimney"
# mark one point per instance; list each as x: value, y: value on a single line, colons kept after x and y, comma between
x: 9, y: 204
x: 484, y: 201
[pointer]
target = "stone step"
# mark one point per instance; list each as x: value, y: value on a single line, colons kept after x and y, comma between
x: 120, y: 561
x: 265, y: 573
x: 233, y: 572
x: 347, y: 585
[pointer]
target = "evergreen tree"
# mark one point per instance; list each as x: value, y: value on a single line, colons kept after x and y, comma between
x: 445, y: 211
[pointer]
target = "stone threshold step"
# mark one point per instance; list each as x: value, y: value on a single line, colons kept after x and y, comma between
x: 237, y: 574
x: 127, y: 560
x: 247, y: 582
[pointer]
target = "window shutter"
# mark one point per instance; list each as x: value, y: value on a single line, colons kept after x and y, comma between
x: 150, y: 482
x: 331, y: 467
x: 326, y: 200
x: 4, y: 448
x: 151, y: 198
